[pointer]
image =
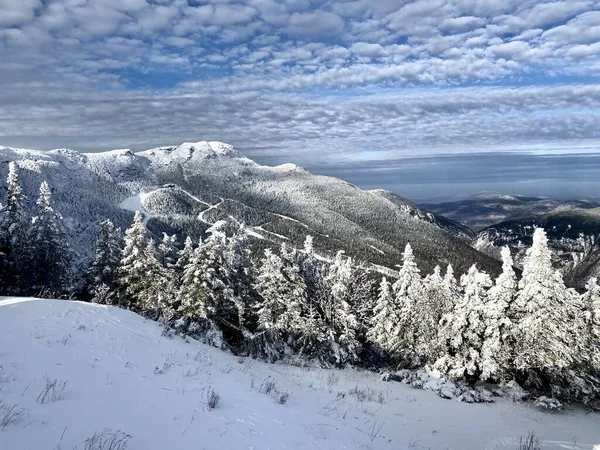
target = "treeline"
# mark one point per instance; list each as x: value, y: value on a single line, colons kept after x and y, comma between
x: 294, y: 305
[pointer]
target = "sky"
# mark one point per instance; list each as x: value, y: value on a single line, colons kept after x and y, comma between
x: 429, y: 98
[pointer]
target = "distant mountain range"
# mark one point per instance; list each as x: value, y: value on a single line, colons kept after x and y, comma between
x: 183, y: 189
x: 486, y: 210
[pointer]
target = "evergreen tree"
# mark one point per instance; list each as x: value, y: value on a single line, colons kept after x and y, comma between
x: 49, y: 259
x: 193, y: 294
x: 452, y: 291
x: 545, y: 337
x: 463, y: 330
x: 339, y: 312
x: 103, y: 269
x: 132, y: 272
x: 184, y: 256
x: 282, y: 292
x: 155, y: 294
x: 591, y: 334
x: 385, y: 319
x: 409, y: 293
x: 13, y: 233
x: 497, y: 352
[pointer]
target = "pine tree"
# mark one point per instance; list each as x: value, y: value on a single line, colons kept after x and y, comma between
x: 282, y: 292
x: 103, y: 269
x: 498, y: 348
x: 591, y: 333
x: 239, y: 307
x: 13, y: 233
x: 545, y: 337
x: 132, y: 272
x: 409, y: 294
x: 155, y: 293
x: 463, y: 330
x: 452, y: 290
x: 339, y: 312
x: 50, y: 257
x: 385, y: 319
x: 185, y: 255
x: 192, y: 296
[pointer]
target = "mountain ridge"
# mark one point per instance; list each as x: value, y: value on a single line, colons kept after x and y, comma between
x: 281, y: 203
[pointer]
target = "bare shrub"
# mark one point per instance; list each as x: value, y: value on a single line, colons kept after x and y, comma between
x: 267, y: 386
x: 107, y: 440
x: 281, y: 397
x: 10, y: 415
x: 213, y: 398
x: 332, y: 379
x: 367, y: 394
x: 65, y: 339
x: 53, y: 391
x: 531, y: 442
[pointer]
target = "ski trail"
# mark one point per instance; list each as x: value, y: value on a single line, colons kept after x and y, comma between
x: 211, y: 207
x: 135, y: 203
x: 300, y: 223
x: 193, y: 197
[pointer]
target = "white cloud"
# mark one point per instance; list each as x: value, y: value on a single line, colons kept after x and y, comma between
x: 316, y: 23
x: 17, y: 12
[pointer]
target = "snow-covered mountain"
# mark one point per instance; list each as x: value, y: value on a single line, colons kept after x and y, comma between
x: 574, y: 236
x: 184, y: 189
x: 486, y: 210
x: 71, y: 371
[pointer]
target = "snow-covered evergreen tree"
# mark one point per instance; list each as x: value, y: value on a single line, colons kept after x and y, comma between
x: 282, y: 292
x: 463, y: 330
x: 591, y: 332
x: 49, y: 261
x: 184, y: 255
x: 132, y: 272
x: 409, y: 294
x: 103, y: 269
x: 498, y: 348
x: 339, y: 312
x: 192, y: 296
x: 545, y: 331
x: 239, y: 277
x: 385, y: 318
x: 13, y: 233
x: 452, y: 290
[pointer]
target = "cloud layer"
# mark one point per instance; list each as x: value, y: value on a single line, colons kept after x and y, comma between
x: 306, y: 81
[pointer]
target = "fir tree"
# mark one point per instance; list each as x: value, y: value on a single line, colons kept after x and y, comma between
x: 385, y: 319
x: 545, y: 337
x: 497, y: 352
x: 192, y: 296
x: 591, y: 333
x: 339, y: 312
x: 103, y: 269
x: 132, y: 272
x: 463, y: 330
x: 50, y: 258
x: 13, y: 233
x: 409, y: 292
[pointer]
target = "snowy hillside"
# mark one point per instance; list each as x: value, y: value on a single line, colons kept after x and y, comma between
x: 115, y: 371
x: 184, y: 189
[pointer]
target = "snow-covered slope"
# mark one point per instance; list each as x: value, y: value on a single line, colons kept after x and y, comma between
x: 183, y: 189
x: 121, y: 374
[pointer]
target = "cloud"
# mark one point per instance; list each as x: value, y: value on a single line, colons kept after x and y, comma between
x: 316, y: 23
x: 302, y: 80
x: 17, y: 12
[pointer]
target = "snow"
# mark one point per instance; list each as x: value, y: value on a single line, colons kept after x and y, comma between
x: 135, y: 203
x: 211, y: 207
x: 121, y: 374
